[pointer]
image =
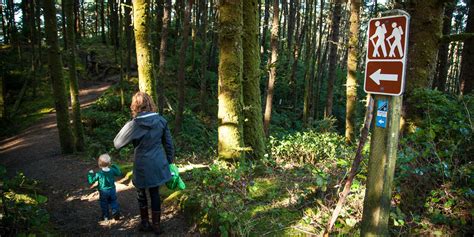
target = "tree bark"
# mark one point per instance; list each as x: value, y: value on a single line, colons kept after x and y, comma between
x: 78, y: 130
x: 351, y: 83
x: 102, y: 22
x: 310, y: 42
x: 467, y: 64
x: 203, y: 29
x: 336, y: 17
x: 272, y: 66
x: 163, y: 48
x: 4, y: 27
x: 266, y: 15
x: 182, y: 68
x: 230, y: 129
x: 443, y: 66
x: 56, y: 75
x: 253, y: 126
x: 141, y: 24
x: 425, y: 32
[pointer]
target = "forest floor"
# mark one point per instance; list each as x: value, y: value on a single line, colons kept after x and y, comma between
x: 72, y: 204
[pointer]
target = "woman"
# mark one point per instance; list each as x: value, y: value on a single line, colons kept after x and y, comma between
x: 149, y: 134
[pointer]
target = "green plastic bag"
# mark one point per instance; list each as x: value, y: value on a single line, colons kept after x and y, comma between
x: 175, y: 182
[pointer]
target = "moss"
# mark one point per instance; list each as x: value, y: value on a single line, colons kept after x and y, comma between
x: 264, y: 188
x: 230, y: 131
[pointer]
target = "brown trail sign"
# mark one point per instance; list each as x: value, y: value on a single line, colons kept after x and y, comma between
x: 386, y: 55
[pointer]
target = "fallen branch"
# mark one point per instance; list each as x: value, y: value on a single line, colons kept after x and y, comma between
x: 355, y: 166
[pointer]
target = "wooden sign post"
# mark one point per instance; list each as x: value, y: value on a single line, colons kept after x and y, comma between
x: 385, y: 77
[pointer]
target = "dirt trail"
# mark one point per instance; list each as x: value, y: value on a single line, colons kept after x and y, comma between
x: 73, y: 206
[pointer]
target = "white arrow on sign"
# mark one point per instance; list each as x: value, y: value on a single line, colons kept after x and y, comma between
x: 381, y: 121
x: 377, y: 76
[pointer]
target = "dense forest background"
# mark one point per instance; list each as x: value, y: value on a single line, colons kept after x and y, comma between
x: 265, y: 101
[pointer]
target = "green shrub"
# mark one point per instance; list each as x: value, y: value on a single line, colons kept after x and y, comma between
x: 22, y: 207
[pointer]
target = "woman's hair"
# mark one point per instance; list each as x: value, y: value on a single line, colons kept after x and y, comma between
x: 142, y: 102
x: 104, y: 160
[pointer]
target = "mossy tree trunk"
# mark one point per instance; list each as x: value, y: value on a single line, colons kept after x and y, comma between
x: 351, y: 83
x: 253, y: 126
x: 308, y: 80
x: 55, y: 69
x: 230, y: 129
x: 443, y: 51
x: 425, y: 33
x: 336, y: 17
x: 73, y: 85
x: 182, y: 67
x: 141, y: 25
x: 467, y: 64
x: 163, y: 48
x: 272, y: 65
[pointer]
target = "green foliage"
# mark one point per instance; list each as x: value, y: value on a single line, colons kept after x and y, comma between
x: 22, y: 207
x: 310, y: 147
x: 435, y: 172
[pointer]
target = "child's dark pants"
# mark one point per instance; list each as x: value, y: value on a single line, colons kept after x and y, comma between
x: 108, y: 197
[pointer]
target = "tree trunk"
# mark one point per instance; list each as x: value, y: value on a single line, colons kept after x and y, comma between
x: 291, y: 25
x: 351, y: 83
x: 182, y: 68
x: 443, y: 51
x: 163, y: 48
x: 296, y: 54
x: 55, y: 70
x: 336, y: 17
x: 203, y: 29
x: 272, y: 65
x: 253, y: 126
x: 96, y: 16
x: 63, y: 24
x: 425, y: 32
x: 467, y: 64
x: 77, y: 22
x: 128, y: 34
x: 266, y: 15
x: 83, y: 19
x: 141, y: 24
x: 73, y: 85
x: 308, y: 85
x: 230, y: 120
x: 318, y: 60
x: 4, y: 26
x: 102, y: 22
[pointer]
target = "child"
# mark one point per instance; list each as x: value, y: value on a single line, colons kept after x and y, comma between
x: 106, y: 186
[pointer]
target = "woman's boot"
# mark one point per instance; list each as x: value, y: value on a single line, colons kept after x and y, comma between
x: 145, y: 221
x: 155, y: 217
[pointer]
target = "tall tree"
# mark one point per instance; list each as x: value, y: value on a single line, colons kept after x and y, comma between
x: 272, y: 66
x: 266, y: 15
x: 253, y: 126
x: 141, y: 24
x: 336, y: 17
x: 163, y: 48
x: 182, y: 67
x: 73, y: 85
x: 425, y: 26
x: 443, y: 65
x: 55, y: 69
x: 102, y: 21
x: 203, y: 29
x: 230, y: 80
x: 351, y: 82
x: 467, y: 64
x: 310, y: 42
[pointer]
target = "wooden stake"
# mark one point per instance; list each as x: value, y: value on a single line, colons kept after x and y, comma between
x: 383, y: 155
